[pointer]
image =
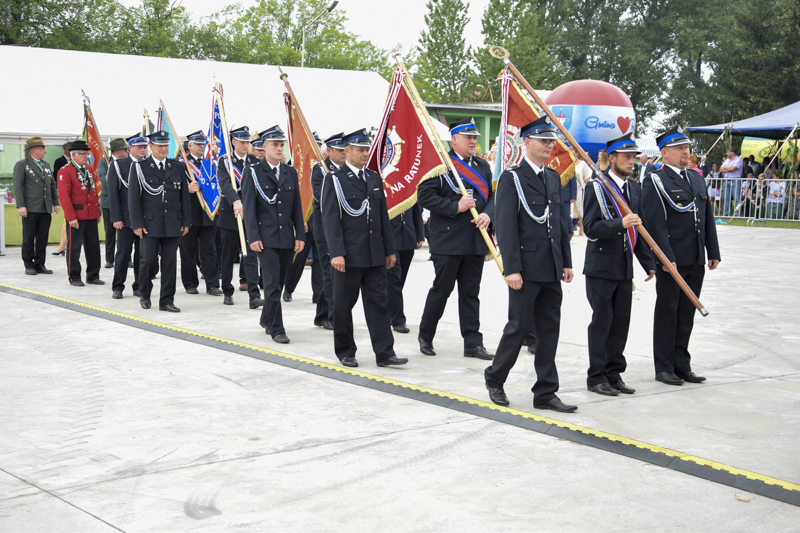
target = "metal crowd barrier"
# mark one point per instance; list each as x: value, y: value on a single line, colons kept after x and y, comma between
x: 755, y: 200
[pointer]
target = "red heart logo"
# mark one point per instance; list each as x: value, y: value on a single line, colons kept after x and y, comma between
x: 624, y: 124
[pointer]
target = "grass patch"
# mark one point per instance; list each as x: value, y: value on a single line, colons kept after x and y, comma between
x: 791, y: 224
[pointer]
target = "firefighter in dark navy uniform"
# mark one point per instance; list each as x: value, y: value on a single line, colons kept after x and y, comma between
x: 335, y: 159
x: 359, y: 239
x: 230, y: 207
x: 160, y: 211
x: 119, y: 175
x: 274, y: 219
x: 533, y: 234
x: 299, y: 262
x: 202, y: 234
x: 613, y: 241
x: 680, y: 217
x: 457, y: 247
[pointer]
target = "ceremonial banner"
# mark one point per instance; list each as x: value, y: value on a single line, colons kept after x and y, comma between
x: 92, y: 137
x: 518, y: 110
x: 302, y: 147
x: 403, y: 152
x: 216, y: 146
x: 164, y: 125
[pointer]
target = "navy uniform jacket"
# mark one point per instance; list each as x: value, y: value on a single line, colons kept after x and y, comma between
x: 607, y: 252
x: 525, y: 244
x: 230, y: 196
x: 163, y: 214
x: 682, y: 239
x: 365, y: 240
x: 118, y: 192
x: 453, y: 233
x: 407, y: 229
x: 276, y: 225
x: 317, y: 175
x: 199, y: 215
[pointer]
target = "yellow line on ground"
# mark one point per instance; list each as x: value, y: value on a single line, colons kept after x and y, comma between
x: 588, y: 431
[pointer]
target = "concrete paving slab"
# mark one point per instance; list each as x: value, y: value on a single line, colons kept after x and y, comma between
x: 151, y: 433
x: 746, y: 414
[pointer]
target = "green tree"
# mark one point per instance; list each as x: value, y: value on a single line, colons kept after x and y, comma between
x: 444, y: 63
x: 520, y: 27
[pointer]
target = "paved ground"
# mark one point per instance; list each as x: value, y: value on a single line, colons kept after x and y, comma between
x: 106, y: 427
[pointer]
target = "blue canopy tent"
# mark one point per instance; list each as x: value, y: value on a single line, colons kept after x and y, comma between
x: 776, y: 124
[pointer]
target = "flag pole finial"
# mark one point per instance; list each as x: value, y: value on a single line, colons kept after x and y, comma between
x: 499, y: 52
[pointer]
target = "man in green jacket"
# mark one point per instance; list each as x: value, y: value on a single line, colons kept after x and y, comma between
x: 37, y: 196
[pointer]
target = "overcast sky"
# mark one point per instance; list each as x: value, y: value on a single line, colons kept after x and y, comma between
x: 383, y: 22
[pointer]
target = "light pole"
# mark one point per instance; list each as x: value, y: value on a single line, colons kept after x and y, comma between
x: 303, y: 49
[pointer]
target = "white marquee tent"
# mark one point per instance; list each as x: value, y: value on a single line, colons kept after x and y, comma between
x: 41, y: 94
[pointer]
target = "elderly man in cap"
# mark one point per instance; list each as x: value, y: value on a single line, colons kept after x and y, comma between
x: 119, y: 182
x: 230, y: 208
x: 160, y: 210
x: 457, y: 247
x: 273, y: 215
x: 77, y: 191
x: 680, y: 217
x: 36, y: 192
x: 359, y: 238
x: 533, y: 235
x: 613, y: 241
x: 336, y: 158
x: 203, y: 231
x: 119, y: 150
x: 299, y: 262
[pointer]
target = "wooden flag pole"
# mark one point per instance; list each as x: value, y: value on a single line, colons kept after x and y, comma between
x: 183, y: 156
x: 306, y: 129
x: 218, y: 91
x: 502, y: 53
x: 445, y: 156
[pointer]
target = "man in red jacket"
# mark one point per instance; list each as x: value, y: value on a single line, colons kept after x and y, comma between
x: 77, y: 190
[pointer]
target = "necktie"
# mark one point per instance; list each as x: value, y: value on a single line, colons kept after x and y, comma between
x: 625, y: 192
x: 361, y: 175
x: 685, y: 176
x: 540, y: 175
x: 161, y: 166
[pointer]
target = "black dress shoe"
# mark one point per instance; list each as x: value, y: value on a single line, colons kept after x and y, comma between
x: 314, y: 299
x: 130, y: 264
x: 393, y: 361
x: 669, y: 378
x: 228, y: 300
x: 557, y: 405
x: 324, y: 324
x: 287, y: 296
x: 30, y: 271
x: 349, y: 361
x: 426, y: 347
x: 192, y: 290
x: 532, y: 349
x: 43, y: 270
x: 255, y: 303
x: 117, y: 295
x: 76, y: 283
x: 214, y: 291
x: 109, y: 265
x: 401, y: 328
x: 169, y: 308
x: 137, y: 292
x: 690, y: 376
x: 281, y: 338
x: 603, y: 388
x: 624, y: 389
x: 479, y: 352
x: 497, y: 395
x: 145, y: 303
x: 95, y: 282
